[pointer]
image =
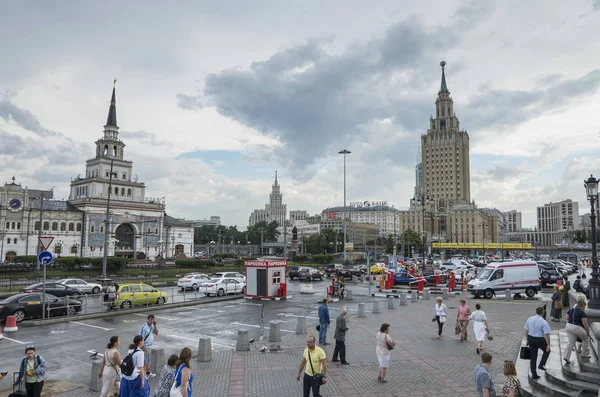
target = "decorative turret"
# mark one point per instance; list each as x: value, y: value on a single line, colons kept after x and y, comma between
x: 444, y: 87
x: 110, y: 145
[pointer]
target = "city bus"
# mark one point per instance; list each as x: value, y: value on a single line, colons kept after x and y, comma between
x: 568, y: 257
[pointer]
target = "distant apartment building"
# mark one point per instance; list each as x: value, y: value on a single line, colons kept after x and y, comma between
x: 298, y: 215
x: 514, y: 220
x: 213, y: 221
x: 275, y: 210
x: 561, y: 216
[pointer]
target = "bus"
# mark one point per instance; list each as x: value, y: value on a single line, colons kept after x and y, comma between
x: 568, y: 257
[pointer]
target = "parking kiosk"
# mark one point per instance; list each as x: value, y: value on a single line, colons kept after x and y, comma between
x: 266, y: 279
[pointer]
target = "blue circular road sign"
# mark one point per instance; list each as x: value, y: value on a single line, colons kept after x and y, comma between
x: 45, y: 257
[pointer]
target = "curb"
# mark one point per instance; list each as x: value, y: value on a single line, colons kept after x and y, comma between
x: 66, y: 319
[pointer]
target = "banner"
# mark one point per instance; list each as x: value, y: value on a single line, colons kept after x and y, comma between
x: 506, y: 246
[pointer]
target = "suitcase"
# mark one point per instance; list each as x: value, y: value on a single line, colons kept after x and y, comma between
x: 18, y: 392
x: 525, y: 353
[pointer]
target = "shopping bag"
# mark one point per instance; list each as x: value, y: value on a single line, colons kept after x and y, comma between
x: 457, y: 329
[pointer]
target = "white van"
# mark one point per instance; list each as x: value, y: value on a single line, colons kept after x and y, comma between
x: 518, y: 276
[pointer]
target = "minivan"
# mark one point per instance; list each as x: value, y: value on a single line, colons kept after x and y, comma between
x: 518, y: 276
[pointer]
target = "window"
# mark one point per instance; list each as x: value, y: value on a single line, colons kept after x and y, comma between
x: 124, y: 289
x: 18, y: 225
x: 46, y: 226
x: 7, y: 241
x: 12, y: 226
x: 71, y: 227
x: 135, y: 288
x: 107, y: 174
x: 92, y: 229
x: 7, y: 225
x: 122, y: 191
x: 74, y: 249
x: 54, y: 226
x: 116, y: 190
x: 63, y: 227
x: 498, y: 275
x: 101, y: 229
x: 124, y: 176
x: 129, y: 192
x: 79, y: 227
x: 276, y: 276
x: 57, y: 249
x: 15, y: 241
x: 36, y: 225
x: 147, y: 288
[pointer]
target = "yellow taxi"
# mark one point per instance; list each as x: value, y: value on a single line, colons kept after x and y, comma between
x: 378, y: 268
x: 135, y: 294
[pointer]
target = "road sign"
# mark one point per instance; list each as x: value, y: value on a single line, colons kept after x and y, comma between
x: 45, y: 241
x: 45, y: 257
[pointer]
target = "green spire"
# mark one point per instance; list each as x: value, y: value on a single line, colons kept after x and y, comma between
x: 444, y: 87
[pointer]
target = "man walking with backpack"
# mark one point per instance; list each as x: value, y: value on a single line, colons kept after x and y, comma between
x: 148, y: 331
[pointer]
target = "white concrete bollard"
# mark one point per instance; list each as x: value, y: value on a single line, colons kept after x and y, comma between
x: 444, y: 293
x: 157, y: 360
x: 95, y: 382
x: 361, y: 310
x: 349, y: 294
x: 403, y: 301
x: 274, y: 335
x: 301, y: 325
x: 391, y: 302
x: 413, y: 296
x: 376, y: 308
x: 426, y: 294
x: 508, y: 295
x: 204, y: 350
x: 242, y: 340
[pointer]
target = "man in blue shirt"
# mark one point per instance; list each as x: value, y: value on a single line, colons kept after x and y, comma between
x: 537, y: 332
x: 148, y: 330
x: 483, y: 377
x: 323, y: 322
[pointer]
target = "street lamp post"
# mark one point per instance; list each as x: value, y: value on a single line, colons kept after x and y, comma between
x: 591, y: 187
x: 344, y: 153
x: 425, y: 199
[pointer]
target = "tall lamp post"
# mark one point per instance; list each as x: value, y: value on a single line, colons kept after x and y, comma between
x: 591, y: 187
x: 344, y: 153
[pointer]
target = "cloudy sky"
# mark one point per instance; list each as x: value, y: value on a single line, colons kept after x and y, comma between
x: 213, y: 97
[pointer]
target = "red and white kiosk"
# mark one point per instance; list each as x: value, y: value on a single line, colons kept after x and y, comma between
x: 266, y: 279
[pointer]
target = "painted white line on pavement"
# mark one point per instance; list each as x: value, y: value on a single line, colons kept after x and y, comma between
x: 196, y: 339
x: 211, y: 310
x: 16, y: 341
x: 258, y: 326
x: 296, y: 315
x: 90, y: 325
x: 251, y: 304
x: 93, y: 351
x: 162, y: 318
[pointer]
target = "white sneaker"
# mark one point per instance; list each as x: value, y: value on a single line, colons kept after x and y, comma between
x: 151, y: 374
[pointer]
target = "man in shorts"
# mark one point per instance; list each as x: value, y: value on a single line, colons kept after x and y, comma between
x: 148, y: 331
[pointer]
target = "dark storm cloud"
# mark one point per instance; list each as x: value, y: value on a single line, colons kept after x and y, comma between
x: 503, y: 108
x: 188, y: 102
x: 23, y: 117
x: 311, y: 100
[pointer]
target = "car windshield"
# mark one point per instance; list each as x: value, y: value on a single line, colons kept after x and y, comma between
x: 486, y: 273
x: 214, y: 280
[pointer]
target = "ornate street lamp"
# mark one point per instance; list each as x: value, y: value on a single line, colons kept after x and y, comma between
x: 591, y: 187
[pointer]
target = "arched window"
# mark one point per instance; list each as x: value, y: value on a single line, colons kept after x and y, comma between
x: 149, y: 231
x: 116, y: 190
x: 71, y: 227
x: 101, y: 229
x: 57, y: 249
x: 79, y: 227
x: 7, y: 225
x: 115, y: 151
x: 105, y: 150
x: 54, y: 226
x: 74, y: 249
x: 18, y: 225
x: 15, y: 240
x: 122, y: 191
x: 36, y: 225
x: 63, y: 227
x: 129, y: 192
x: 12, y: 226
x: 92, y: 229
x: 46, y: 226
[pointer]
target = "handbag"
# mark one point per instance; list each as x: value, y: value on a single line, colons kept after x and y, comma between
x: 176, y: 390
x: 443, y: 319
x: 488, y: 335
x: 525, y: 353
x: 318, y: 376
x: 558, y: 305
x: 318, y: 327
x: 457, y: 328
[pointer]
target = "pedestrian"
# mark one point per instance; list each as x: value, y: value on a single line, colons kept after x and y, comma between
x: 384, y: 345
x: 340, y: 337
x: 512, y: 386
x: 440, y: 315
x: 480, y: 326
x: 166, y: 377
x: 324, y: 322
x: 110, y: 371
x: 316, y: 370
x: 33, y: 369
x: 483, y: 377
x: 111, y: 295
x: 565, y: 293
x: 537, y: 332
x: 183, y: 374
x: 148, y: 331
x: 135, y: 384
x: 462, y: 318
x: 577, y: 327
x: 556, y: 309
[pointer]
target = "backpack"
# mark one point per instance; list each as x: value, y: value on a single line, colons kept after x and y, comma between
x: 127, y: 366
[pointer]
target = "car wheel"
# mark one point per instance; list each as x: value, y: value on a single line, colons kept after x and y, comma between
x: 488, y: 294
x: 530, y: 292
x: 126, y: 305
x: 19, y: 315
x: 195, y: 287
x: 312, y: 278
x: 72, y: 311
x: 96, y: 290
x: 161, y: 301
x: 76, y: 294
x: 221, y: 292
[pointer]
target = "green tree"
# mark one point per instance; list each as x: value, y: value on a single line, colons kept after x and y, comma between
x: 411, y: 239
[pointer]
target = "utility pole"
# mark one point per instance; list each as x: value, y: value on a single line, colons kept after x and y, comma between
x: 107, y: 221
x: 262, y: 240
x: 39, y: 245
x: 344, y: 153
x: 284, y: 239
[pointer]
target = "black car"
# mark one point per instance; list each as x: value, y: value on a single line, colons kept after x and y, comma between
x: 55, y: 289
x: 24, y: 306
x: 310, y: 274
x: 346, y: 272
x: 430, y: 277
x: 294, y: 272
x: 548, y: 274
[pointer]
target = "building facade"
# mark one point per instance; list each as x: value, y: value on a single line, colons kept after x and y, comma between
x: 275, y: 210
x: 298, y: 215
x: 554, y: 217
x: 213, y: 221
x: 514, y: 220
x: 385, y: 217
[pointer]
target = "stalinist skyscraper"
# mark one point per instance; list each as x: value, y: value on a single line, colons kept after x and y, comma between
x: 445, y: 153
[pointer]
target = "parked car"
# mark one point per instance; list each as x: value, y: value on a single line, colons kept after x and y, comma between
x: 548, y: 273
x: 81, y: 285
x: 235, y: 275
x: 294, y: 272
x: 192, y: 281
x: 430, y: 276
x: 378, y: 268
x: 346, y: 272
x: 222, y: 286
x: 55, y: 289
x: 404, y: 278
x: 29, y: 305
x: 310, y: 274
x: 333, y: 269
x: 567, y: 267
x: 359, y: 271
x: 136, y: 294
x: 448, y: 266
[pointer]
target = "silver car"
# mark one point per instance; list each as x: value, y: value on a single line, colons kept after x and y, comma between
x: 80, y: 285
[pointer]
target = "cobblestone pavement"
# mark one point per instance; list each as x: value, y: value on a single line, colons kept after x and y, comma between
x: 420, y: 365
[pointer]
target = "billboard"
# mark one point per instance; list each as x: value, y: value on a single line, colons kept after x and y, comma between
x: 506, y: 246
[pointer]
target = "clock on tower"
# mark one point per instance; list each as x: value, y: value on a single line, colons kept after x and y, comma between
x: 15, y: 204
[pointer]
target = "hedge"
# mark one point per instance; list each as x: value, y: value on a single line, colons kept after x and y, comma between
x: 29, y: 259
x: 195, y: 263
x: 300, y: 258
x: 323, y: 258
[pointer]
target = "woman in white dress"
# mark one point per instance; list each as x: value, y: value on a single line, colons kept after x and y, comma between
x: 384, y: 345
x: 109, y: 370
x: 440, y: 315
x: 480, y: 326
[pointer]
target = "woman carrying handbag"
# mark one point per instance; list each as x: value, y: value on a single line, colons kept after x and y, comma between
x: 182, y: 387
x: 110, y: 372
